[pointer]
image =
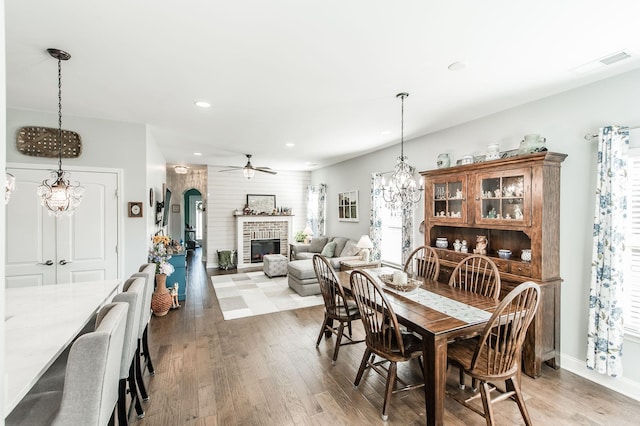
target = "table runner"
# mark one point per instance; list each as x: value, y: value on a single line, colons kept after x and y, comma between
x: 453, y: 308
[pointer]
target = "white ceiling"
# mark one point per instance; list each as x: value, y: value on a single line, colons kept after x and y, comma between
x: 321, y: 74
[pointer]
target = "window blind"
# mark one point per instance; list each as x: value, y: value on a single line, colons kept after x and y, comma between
x: 632, y: 275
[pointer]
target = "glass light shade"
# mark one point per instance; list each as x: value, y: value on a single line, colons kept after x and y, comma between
x: 248, y: 173
x: 60, y: 197
x: 181, y: 170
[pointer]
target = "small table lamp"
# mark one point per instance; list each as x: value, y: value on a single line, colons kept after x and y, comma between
x: 308, y: 234
x: 364, y: 245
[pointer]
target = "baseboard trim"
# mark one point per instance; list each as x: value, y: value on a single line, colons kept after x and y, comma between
x: 622, y: 385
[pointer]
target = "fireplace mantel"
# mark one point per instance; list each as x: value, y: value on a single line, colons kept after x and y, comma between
x: 258, y: 227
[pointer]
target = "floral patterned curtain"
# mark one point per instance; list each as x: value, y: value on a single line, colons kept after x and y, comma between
x: 317, y: 208
x: 375, y: 222
x: 605, y: 332
x: 375, y: 231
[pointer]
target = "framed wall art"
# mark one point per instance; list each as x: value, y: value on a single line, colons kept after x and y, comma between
x: 261, y: 204
x: 348, y: 206
x: 175, y: 208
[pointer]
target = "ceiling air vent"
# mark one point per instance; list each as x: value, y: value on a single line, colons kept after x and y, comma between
x: 616, y: 57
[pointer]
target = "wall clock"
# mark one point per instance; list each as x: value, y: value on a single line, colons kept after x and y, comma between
x: 150, y: 197
x: 135, y: 209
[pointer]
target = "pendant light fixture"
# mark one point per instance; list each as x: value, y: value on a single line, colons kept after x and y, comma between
x: 403, y: 188
x: 58, y: 194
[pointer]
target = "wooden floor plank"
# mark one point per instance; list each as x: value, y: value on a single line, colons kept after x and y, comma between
x: 266, y: 370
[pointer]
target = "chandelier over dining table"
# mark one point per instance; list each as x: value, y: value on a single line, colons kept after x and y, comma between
x: 402, y: 187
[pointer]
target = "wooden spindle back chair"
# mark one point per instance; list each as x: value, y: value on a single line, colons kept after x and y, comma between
x: 495, y: 356
x: 384, y: 336
x: 337, y: 307
x: 478, y: 274
x: 423, y: 262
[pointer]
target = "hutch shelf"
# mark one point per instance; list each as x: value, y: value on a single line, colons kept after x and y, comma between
x: 515, y: 204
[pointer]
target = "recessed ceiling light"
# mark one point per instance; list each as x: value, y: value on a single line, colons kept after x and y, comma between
x: 202, y: 104
x: 457, y: 66
x: 385, y: 132
x: 310, y: 164
x: 197, y: 153
x: 290, y: 145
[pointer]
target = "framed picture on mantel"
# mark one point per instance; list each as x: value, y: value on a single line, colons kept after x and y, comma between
x: 261, y: 203
x: 348, y: 206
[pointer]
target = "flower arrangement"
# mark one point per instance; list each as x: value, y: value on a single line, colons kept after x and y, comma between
x: 159, y: 254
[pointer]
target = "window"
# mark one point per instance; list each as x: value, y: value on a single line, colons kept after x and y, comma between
x: 632, y: 273
x: 391, y: 234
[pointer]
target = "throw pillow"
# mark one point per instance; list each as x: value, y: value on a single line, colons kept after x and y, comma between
x: 340, y: 242
x: 329, y: 249
x: 350, y: 249
x: 317, y: 244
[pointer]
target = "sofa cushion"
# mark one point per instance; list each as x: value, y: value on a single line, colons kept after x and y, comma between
x: 317, y: 244
x: 329, y: 249
x: 350, y: 249
x: 340, y: 243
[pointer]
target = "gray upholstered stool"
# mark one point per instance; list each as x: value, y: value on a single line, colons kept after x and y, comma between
x: 274, y: 265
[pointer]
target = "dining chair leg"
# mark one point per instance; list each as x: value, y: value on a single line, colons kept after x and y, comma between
x: 338, y: 341
x: 513, y: 384
x: 363, y: 365
x: 485, y: 392
x: 391, y: 380
x: 461, y: 384
x: 145, y: 351
x: 140, y: 381
x: 350, y: 330
x: 322, y: 330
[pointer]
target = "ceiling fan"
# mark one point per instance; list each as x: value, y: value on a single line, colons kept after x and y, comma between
x: 248, y: 170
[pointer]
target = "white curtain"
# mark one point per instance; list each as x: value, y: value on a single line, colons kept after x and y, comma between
x: 317, y: 208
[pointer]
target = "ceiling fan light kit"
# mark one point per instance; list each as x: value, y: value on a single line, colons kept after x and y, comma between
x: 249, y: 170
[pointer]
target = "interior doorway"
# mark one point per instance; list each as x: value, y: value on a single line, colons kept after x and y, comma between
x: 194, y: 219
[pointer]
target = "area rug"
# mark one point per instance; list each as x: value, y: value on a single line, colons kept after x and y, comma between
x: 254, y: 293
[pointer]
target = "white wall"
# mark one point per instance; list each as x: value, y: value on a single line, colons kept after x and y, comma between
x: 228, y: 192
x: 563, y: 119
x: 106, y: 144
x: 3, y: 144
x: 156, y: 176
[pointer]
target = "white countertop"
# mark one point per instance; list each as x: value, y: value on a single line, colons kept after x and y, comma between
x: 40, y: 322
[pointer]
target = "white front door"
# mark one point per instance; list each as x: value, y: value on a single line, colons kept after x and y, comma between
x: 43, y: 250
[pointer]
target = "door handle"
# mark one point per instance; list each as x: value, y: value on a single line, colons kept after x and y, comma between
x: 48, y: 263
x: 63, y: 262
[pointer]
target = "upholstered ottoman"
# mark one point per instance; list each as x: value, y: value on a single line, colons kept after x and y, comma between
x: 274, y: 265
x: 302, y: 277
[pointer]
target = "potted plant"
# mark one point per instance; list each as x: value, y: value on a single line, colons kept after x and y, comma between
x: 161, y: 300
x: 299, y: 237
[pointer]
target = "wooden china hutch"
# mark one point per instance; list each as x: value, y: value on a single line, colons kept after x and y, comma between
x: 515, y: 204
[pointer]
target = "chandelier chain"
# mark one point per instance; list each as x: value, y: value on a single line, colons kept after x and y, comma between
x: 59, y: 114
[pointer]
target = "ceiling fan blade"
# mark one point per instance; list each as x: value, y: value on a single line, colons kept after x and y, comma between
x: 265, y: 170
x: 231, y: 169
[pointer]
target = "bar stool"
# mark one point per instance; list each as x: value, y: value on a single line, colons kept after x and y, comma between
x: 133, y: 294
x: 147, y: 271
x: 90, y: 385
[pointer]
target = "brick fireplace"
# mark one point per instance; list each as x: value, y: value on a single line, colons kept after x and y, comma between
x: 261, y: 228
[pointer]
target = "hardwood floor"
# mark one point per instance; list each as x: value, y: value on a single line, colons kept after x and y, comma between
x: 266, y: 370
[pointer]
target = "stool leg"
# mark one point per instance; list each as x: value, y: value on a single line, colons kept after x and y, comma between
x: 134, y: 391
x: 145, y: 351
x: 139, y: 379
x: 122, y: 403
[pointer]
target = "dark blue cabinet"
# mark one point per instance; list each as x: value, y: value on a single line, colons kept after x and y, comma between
x: 179, y: 262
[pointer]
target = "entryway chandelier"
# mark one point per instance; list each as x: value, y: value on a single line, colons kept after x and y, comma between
x: 403, y: 188
x: 58, y: 194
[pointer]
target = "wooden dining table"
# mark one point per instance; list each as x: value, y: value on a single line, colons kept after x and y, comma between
x: 438, y: 313
x: 40, y: 322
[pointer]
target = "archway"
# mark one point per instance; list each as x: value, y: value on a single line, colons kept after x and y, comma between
x: 194, y: 219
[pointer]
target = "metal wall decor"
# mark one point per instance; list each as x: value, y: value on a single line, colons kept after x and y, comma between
x: 38, y: 141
